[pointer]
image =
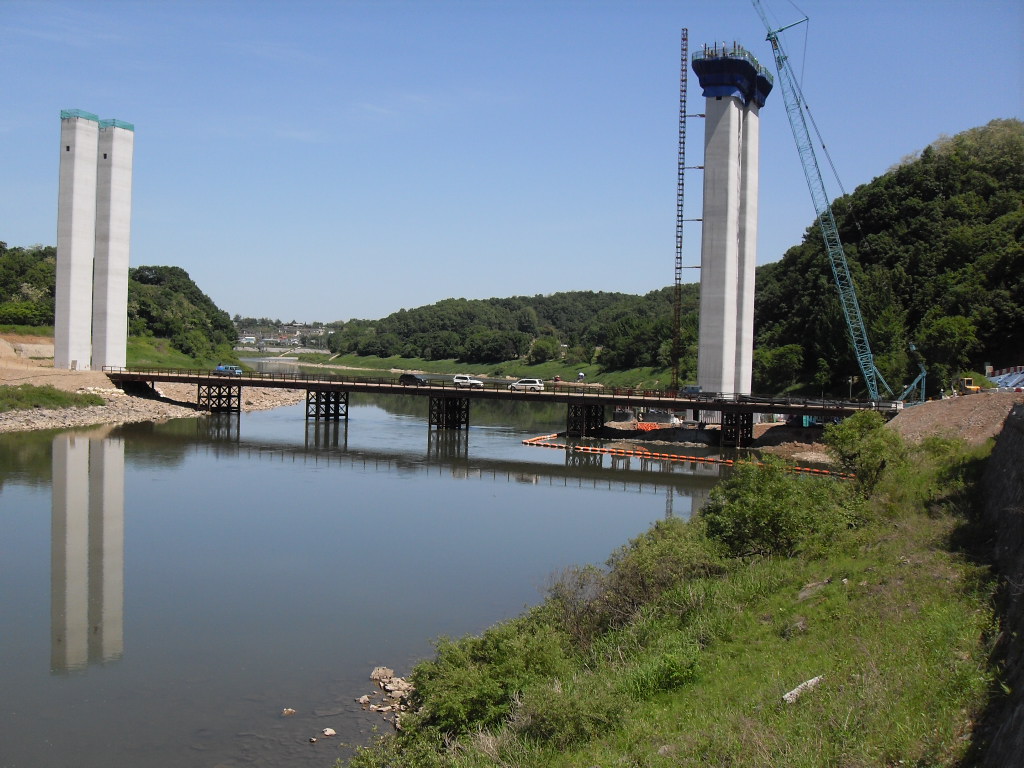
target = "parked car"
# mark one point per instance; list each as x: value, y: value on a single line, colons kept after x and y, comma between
x: 465, y: 380
x: 229, y: 370
x: 413, y: 380
x: 527, y: 385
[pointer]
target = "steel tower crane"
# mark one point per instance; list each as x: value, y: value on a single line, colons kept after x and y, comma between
x: 826, y: 221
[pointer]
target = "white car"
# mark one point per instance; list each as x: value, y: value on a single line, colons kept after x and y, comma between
x: 465, y: 380
x: 527, y: 385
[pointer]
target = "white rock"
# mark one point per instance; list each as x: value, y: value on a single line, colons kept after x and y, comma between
x: 805, y: 686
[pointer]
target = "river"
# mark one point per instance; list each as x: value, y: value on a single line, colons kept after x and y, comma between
x: 168, y: 590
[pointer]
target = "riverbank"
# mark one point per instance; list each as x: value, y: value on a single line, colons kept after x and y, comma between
x: 176, y: 401
x: 795, y: 621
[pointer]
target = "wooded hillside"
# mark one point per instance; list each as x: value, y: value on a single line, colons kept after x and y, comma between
x: 936, y: 247
x: 162, y: 301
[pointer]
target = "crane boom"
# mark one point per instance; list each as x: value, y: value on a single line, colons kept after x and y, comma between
x: 826, y: 221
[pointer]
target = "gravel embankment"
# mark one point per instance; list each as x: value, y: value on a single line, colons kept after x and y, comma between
x: 119, y: 408
x: 122, y: 409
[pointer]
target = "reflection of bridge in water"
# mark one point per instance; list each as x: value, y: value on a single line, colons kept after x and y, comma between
x: 448, y: 452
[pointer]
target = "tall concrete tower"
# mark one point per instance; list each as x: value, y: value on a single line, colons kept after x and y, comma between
x: 735, y: 87
x: 113, y: 234
x: 93, y: 233
x: 76, y: 239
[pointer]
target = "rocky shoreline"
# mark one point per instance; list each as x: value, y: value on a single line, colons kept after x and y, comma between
x: 176, y: 401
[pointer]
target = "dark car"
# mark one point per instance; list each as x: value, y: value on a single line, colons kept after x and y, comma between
x: 413, y: 380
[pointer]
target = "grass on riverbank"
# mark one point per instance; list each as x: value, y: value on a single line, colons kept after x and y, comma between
x: 678, y: 653
x: 27, y: 396
x: 641, y: 378
x: 27, y: 330
x: 151, y: 352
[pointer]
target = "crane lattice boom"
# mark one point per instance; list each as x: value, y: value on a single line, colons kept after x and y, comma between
x: 826, y: 221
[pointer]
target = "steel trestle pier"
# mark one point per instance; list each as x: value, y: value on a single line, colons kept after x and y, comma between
x: 327, y: 399
x: 584, y: 419
x: 449, y: 412
x: 219, y: 397
x: 327, y: 405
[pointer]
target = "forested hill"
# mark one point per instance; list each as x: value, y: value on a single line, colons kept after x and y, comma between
x: 937, y: 253
x: 630, y: 331
x: 166, y: 303
x: 162, y: 301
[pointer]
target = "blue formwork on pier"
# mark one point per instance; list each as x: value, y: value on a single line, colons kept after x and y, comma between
x: 732, y: 71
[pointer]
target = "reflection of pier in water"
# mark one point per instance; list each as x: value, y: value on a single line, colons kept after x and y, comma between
x: 447, y: 452
x: 87, y: 517
x: 86, y: 552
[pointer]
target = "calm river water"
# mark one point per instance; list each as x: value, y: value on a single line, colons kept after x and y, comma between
x: 166, y: 590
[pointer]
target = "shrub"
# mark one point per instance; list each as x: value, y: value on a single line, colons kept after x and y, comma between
x: 588, y: 601
x: 662, y: 670
x: 564, y: 714
x: 767, y: 510
x: 471, y: 681
x: 862, y: 445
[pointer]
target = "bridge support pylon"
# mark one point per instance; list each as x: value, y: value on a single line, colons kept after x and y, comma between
x: 584, y: 419
x: 737, y: 429
x: 449, y: 412
x: 326, y: 404
x: 220, y: 398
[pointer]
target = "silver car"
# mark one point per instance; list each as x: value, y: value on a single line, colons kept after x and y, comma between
x: 527, y: 385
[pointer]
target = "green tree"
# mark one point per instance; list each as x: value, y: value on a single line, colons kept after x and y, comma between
x: 543, y: 349
x: 768, y: 510
x: 946, y: 342
x: 863, y: 446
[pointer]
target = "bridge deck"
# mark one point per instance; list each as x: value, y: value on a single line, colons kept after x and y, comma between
x: 560, y: 392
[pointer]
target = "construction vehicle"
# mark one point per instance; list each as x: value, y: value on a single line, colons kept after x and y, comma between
x: 966, y: 386
x: 795, y: 110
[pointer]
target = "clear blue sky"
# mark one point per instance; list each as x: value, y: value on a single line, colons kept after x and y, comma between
x: 329, y: 160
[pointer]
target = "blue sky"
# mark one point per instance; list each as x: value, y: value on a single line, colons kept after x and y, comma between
x: 316, y: 160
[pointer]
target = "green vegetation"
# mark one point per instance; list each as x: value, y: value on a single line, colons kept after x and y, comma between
x: 27, y: 279
x: 163, y: 303
x: 27, y: 330
x: 152, y: 352
x: 937, y: 251
x: 26, y: 396
x: 570, y: 330
x: 649, y: 378
x: 678, y: 652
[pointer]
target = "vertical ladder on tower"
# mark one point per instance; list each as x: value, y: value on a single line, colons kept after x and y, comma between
x: 677, y: 289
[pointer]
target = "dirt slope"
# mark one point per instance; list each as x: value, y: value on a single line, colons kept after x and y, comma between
x: 975, y: 418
